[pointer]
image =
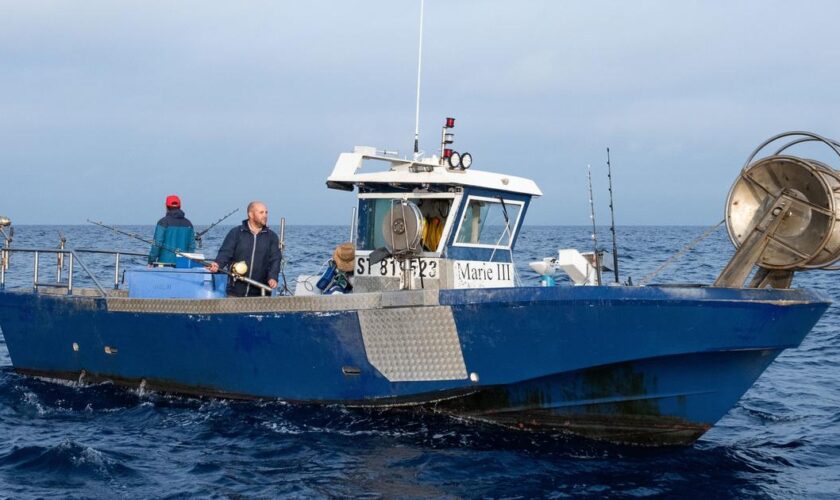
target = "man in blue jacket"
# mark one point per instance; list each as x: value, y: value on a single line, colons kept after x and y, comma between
x: 173, y: 232
x: 257, y: 245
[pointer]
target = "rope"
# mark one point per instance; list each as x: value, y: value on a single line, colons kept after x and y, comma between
x: 306, y: 284
x: 682, y: 252
x: 285, y: 290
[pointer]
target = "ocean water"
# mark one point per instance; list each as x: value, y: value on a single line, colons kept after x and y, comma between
x: 63, y: 440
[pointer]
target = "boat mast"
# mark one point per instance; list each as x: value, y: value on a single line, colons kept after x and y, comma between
x: 612, y: 219
x: 417, y: 107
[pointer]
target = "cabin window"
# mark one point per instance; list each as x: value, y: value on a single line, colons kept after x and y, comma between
x: 489, y: 222
x: 373, y: 211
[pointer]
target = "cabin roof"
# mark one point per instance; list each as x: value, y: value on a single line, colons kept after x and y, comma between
x: 346, y: 174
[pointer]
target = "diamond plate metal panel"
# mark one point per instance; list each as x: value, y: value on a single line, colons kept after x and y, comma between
x: 407, y: 298
x: 297, y: 303
x: 370, y: 284
x: 412, y: 344
x: 315, y: 303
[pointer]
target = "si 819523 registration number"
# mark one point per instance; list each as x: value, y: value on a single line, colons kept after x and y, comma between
x: 390, y: 268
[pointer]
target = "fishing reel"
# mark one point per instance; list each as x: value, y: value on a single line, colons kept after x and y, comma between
x: 239, y: 268
x: 782, y: 215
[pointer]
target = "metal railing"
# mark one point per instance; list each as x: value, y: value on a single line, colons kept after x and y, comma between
x: 72, y: 259
x: 117, y: 254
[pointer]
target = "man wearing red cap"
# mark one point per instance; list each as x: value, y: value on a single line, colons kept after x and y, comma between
x: 173, y: 232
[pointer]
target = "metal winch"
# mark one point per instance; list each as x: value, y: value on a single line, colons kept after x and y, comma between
x: 403, y: 229
x: 782, y: 215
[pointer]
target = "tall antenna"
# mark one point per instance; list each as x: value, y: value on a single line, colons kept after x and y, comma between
x: 595, y: 259
x: 417, y: 109
x: 612, y: 219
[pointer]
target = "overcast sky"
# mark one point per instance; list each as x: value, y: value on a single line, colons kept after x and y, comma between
x: 106, y: 107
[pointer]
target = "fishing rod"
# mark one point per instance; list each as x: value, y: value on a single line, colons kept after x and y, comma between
x: 612, y: 219
x: 261, y: 286
x: 282, y: 245
x: 211, y: 226
x: 595, y: 259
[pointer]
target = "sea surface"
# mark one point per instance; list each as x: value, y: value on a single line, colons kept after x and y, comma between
x: 63, y: 440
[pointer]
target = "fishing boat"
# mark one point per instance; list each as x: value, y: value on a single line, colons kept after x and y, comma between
x: 438, y: 318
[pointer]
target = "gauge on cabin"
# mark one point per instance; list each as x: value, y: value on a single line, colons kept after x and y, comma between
x: 454, y: 160
x: 466, y: 160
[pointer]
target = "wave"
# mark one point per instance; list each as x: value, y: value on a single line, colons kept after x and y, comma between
x: 66, y: 458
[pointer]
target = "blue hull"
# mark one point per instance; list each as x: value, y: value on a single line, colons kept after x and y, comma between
x: 649, y: 365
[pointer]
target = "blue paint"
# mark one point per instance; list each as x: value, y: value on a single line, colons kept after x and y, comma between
x: 559, y: 331
x: 182, y: 262
x: 175, y: 283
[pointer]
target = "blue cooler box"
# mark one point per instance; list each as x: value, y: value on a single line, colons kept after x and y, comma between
x: 174, y: 283
x: 182, y: 262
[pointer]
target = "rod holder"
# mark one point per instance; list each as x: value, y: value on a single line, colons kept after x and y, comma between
x: 70, y: 274
x: 60, y: 261
x: 35, y: 272
x: 117, y: 271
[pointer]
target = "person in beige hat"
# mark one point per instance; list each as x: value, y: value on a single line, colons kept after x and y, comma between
x: 345, y: 257
x: 336, y: 279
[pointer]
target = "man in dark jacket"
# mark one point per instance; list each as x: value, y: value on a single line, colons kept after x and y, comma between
x: 173, y: 232
x: 257, y: 245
